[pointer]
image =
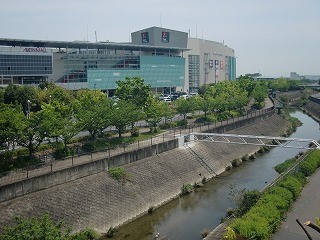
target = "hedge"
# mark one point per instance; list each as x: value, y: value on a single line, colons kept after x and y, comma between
x: 265, y: 216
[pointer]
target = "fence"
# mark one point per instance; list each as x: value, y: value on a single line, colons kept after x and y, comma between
x: 49, y: 164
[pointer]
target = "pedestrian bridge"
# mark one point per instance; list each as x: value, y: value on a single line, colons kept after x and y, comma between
x: 254, y: 140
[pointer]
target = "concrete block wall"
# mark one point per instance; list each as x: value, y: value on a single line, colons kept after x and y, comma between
x: 97, y: 201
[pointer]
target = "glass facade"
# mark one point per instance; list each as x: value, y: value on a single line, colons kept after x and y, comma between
x: 232, y: 68
x: 158, y: 71
x: 25, y: 65
x: 194, y: 72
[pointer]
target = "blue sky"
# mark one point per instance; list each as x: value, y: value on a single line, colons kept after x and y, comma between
x: 274, y: 37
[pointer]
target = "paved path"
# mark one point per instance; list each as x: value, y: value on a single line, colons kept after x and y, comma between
x: 307, y: 207
x: 76, y: 160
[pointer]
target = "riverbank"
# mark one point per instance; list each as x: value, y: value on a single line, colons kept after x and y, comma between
x: 100, y: 202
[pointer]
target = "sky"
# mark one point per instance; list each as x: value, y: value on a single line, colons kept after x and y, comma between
x: 273, y: 37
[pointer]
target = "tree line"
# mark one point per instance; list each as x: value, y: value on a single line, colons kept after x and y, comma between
x: 30, y: 115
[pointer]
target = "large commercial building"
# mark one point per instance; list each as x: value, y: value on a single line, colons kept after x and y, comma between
x: 166, y: 59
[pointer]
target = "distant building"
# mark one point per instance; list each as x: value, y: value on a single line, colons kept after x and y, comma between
x: 166, y: 59
x: 295, y: 76
x: 208, y: 62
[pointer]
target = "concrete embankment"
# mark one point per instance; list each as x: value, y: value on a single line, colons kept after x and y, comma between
x: 313, y: 109
x: 98, y: 201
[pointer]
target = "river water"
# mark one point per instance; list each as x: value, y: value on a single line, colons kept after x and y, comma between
x: 185, y: 217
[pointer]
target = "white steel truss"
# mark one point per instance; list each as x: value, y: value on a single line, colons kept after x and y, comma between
x: 255, y: 140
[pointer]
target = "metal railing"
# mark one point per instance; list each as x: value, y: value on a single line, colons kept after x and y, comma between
x: 49, y: 164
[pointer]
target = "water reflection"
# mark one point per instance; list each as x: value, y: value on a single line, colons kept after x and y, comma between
x: 185, y: 217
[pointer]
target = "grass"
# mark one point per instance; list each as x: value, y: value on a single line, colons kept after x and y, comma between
x: 282, y: 167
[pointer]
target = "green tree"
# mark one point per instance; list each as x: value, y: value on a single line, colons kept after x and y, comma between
x: 61, y: 121
x: 134, y: 90
x: 154, y: 113
x: 206, y: 103
x: 184, y: 106
x: 11, y: 124
x: 168, y: 112
x: 260, y: 92
x: 33, y: 131
x: 49, y: 92
x: 124, y: 114
x: 93, y: 111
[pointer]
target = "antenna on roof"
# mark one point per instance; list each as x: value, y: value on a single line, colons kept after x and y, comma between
x: 160, y: 21
x: 196, y: 30
x: 95, y: 33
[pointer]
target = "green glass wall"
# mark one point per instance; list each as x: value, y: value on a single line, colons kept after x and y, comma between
x: 232, y: 68
x: 158, y: 71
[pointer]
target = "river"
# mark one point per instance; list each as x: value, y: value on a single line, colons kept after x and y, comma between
x: 185, y: 217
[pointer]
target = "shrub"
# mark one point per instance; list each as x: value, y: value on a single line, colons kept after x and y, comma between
x: 182, y: 123
x: 248, y: 200
x: 150, y: 210
x: 117, y: 173
x: 276, y: 200
x: 88, y: 146
x: 255, y: 228
x: 282, y: 167
x: 229, y: 234
x: 267, y: 211
x: 134, y: 132
x: 205, y: 232
x: 186, y: 188
x: 282, y: 192
x: 308, y: 167
x: 111, y: 232
x: 61, y: 151
x: 236, y: 162
x: 292, y: 184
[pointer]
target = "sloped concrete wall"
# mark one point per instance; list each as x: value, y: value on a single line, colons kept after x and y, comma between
x: 97, y: 201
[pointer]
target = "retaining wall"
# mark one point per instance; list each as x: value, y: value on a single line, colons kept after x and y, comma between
x: 99, y: 202
x: 51, y: 179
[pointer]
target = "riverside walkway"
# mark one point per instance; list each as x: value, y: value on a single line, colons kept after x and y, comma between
x: 56, y: 165
x: 306, y: 208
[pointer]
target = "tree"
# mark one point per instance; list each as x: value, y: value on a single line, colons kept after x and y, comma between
x: 206, y: 104
x: 260, y: 92
x: 168, y: 111
x: 154, y: 113
x: 61, y: 121
x: 11, y: 124
x: 184, y: 106
x: 33, y: 131
x: 93, y: 111
x: 134, y: 90
x: 123, y: 114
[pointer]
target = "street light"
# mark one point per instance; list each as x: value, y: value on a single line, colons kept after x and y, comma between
x: 28, y: 113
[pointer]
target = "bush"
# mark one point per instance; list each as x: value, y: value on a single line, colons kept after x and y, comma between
x: 117, y: 173
x: 276, y: 200
x: 135, y: 132
x: 282, y: 192
x: 111, y: 232
x: 236, y: 162
x: 187, y: 188
x: 248, y: 200
x: 61, y: 152
x: 267, y: 211
x: 282, y: 167
x: 205, y: 232
x: 311, y: 163
x: 182, y: 123
x: 255, y: 228
x: 88, y: 146
x: 292, y: 184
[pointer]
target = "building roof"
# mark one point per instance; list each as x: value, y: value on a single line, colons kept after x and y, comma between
x: 83, y: 45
